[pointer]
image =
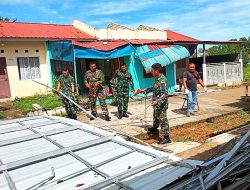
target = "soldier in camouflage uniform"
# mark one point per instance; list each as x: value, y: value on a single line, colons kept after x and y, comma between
x: 94, y: 81
x: 160, y: 103
x: 66, y: 85
x: 113, y: 85
x: 124, y: 79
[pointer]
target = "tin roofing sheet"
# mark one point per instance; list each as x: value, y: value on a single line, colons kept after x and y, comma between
x: 164, y: 56
x: 59, y: 153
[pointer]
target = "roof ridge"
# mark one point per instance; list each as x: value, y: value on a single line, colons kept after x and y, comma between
x: 37, y: 23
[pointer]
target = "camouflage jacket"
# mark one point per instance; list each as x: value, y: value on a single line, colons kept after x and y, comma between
x: 160, y: 91
x: 123, y: 80
x: 66, y: 83
x: 92, y: 78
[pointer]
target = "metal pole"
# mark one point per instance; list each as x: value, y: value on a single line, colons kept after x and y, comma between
x: 88, y: 113
x: 76, y: 87
x: 204, y: 67
x: 241, y: 62
x: 225, y: 72
x: 204, y: 54
x: 202, y: 182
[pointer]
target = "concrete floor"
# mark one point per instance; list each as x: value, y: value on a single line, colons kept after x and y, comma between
x: 214, y: 103
x: 211, y: 104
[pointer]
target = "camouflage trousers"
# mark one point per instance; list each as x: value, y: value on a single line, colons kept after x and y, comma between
x: 122, y: 100
x: 160, y: 118
x: 69, y: 106
x: 93, y: 94
x: 114, y: 93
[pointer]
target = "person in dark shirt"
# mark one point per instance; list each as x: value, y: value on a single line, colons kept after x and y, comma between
x: 190, y: 80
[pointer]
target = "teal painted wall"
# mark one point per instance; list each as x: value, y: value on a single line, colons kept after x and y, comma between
x: 170, y: 76
x: 49, y: 56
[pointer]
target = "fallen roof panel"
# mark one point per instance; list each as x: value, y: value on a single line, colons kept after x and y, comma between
x: 81, y: 158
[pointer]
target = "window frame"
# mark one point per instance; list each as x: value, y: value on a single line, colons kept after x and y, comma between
x: 28, y: 57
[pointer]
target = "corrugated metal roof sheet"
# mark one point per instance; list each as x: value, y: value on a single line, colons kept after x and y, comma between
x: 107, y: 45
x: 154, y: 47
x: 39, y: 30
x: 82, y: 157
x: 101, y: 45
x: 164, y: 56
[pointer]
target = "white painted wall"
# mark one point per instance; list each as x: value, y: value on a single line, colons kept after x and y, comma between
x: 84, y: 27
x: 119, y: 33
x: 22, y: 88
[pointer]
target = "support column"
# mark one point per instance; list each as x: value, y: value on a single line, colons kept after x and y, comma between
x: 48, y: 58
x: 241, y: 62
x: 75, y: 73
x: 225, y: 73
x: 196, y: 51
x: 175, y: 74
x: 204, y: 67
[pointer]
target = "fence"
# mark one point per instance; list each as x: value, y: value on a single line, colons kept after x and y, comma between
x: 217, y: 73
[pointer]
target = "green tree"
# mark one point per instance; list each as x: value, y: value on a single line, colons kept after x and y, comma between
x: 232, y: 48
x: 5, y: 19
x: 243, y: 39
x: 214, y: 50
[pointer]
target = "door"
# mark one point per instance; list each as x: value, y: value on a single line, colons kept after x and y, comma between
x: 4, y: 80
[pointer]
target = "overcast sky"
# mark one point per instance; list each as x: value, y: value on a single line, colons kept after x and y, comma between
x: 202, y: 19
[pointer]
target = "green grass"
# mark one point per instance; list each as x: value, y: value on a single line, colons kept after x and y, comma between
x: 247, y: 73
x: 2, y: 114
x: 245, y: 115
x: 25, y: 104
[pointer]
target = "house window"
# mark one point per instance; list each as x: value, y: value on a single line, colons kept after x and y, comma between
x: 26, y: 51
x: 2, y: 51
x: 16, y: 51
x: 28, y: 67
x: 37, y: 50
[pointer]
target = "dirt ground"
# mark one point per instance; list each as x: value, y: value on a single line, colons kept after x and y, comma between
x: 215, y: 147
x: 10, y: 113
x: 203, y: 130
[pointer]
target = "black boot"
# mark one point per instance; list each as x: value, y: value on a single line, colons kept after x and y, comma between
x: 74, y: 116
x: 125, y: 114
x: 94, y: 114
x: 120, y: 115
x: 152, y: 131
x: 107, y: 118
x: 165, y: 139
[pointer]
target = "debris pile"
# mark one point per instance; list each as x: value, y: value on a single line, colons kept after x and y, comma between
x: 228, y: 171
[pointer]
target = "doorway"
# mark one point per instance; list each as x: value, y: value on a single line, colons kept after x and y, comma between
x: 4, y: 80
